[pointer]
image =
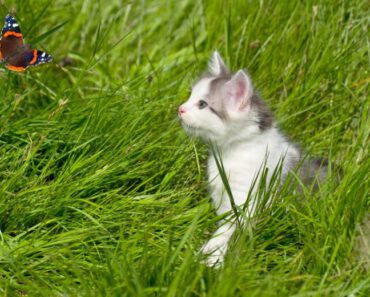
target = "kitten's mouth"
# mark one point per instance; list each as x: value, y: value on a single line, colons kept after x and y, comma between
x: 188, y: 128
x: 195, y: 131
x: 183, y: 123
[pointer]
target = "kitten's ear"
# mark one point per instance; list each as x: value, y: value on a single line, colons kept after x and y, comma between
x: 239, y: 91
x: 216, y: 65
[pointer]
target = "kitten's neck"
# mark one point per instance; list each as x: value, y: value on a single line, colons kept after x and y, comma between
x: 242, y: 138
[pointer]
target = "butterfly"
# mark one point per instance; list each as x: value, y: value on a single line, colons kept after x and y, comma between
x: 17, y: 55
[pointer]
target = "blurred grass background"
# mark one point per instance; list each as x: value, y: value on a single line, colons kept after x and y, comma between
x: 103, y: 194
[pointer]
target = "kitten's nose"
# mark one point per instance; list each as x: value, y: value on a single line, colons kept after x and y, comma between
x: 181, y: 110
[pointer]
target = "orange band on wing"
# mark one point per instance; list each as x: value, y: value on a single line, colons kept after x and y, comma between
x: 15, y: 68
x: 12, y: 33
x: 34, y: 59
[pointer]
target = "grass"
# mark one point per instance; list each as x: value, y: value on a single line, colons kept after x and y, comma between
x: 103, y: 194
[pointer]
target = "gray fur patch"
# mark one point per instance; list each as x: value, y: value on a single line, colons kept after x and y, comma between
x: 215, y: 99
x: 313, y: 170
x: 265, y: 117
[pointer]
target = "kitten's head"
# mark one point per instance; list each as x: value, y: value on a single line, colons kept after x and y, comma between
x: 224, y: 106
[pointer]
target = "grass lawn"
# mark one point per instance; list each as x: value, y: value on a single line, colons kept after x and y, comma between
x: 103, y: 194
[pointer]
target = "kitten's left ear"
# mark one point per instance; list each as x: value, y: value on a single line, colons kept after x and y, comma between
x: 239, y: 91
x: 216, y: 65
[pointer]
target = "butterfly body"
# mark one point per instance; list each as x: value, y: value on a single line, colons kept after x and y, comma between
x: 17, y: 55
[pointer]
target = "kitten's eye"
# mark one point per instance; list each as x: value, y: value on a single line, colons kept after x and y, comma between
x: 202, y: 104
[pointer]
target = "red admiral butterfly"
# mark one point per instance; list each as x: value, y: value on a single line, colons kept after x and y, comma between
x: 17, y: 55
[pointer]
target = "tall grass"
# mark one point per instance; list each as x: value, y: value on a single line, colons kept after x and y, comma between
x: 103, y: 194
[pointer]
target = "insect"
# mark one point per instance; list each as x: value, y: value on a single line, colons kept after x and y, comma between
x: 17, y: 55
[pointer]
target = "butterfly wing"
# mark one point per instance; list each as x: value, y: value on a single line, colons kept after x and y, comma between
x: 28, y: 58
x: 11, y: 28
x: 11, y: 39
x: 40, y: 57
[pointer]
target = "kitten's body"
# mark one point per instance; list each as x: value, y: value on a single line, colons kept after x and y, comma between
x: 242, y: 162
x: 226, y: 112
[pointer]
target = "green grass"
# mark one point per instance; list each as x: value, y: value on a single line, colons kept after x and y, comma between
x: 103, y: 194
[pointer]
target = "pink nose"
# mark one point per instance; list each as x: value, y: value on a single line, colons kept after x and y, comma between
x: 181, y: 110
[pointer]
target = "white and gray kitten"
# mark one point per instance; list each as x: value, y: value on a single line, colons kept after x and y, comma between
x: 225, y: 111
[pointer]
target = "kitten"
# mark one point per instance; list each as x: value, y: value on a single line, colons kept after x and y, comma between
x: 226, y: 112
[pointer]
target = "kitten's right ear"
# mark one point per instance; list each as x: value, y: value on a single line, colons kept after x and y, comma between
x: 239, y: 90
x: 216, y: 66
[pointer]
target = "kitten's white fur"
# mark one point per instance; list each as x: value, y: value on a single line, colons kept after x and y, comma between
x: 243, y: 147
